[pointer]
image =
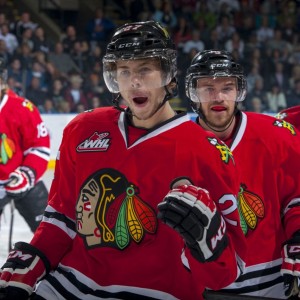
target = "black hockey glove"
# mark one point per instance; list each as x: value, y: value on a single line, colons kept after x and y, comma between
x: 192, y: 213
x: 290, y: 268
x: 24, y: 267
x: 21, y: 181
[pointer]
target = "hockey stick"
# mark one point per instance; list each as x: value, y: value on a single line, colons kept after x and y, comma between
x: 210, y: 295
x: 12, y: 216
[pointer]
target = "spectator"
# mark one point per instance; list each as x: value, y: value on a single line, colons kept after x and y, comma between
x: 258, y: 91
x: 295, y: 75
x: 25, y: 56
x: 79, y: 54
x: 38, y: 71
x: 293, y: 94
x: 279, y: 77
x: 194, y: 43
x: 256, y: 105
x: 253, y: 76
x: 203, y: 13
x: 264, y: 31
x: 74, y: 93
x: 225, y: 30
x: 24, y: 23
x: 4, y: 54
x: 94, y: 56
x: 235, y: 43
x: 15, y: 70
x: 96, y: 101
x: 99, y: 28
x: 14, y: 86
x: 35, y: 93
x: 277, y: 42
x: 182, y: 32
x: 64, y: 107
x: 10, y: 39
x: 48, y: 107
x: 62, y: 61
x: 165, y: 15
x: 70, y: 37
x: 276, y: 99
x: 56, y: 92
x: 95, y: 86
x: 40, y: 41
x: 247, y: 28
x: 27, y: 37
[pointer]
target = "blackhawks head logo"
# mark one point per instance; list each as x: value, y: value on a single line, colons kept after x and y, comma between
x: 109, y: 212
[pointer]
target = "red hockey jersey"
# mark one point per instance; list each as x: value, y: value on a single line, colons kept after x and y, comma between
x: 101, y: 227
x: 267, y: 151
x: 24, y: 138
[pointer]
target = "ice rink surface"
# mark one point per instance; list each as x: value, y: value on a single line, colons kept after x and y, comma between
x: 21, y: 231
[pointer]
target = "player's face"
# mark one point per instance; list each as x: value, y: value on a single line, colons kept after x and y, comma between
x: 141, y: 84
x: 217, y: 99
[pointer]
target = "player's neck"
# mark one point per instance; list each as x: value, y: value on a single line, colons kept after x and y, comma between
x: 223, y: 134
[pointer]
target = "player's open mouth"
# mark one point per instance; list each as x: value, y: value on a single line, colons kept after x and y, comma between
x: 218, y: 108
x: 140, y: 100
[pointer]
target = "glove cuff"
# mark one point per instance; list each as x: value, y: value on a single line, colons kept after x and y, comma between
x: 30, y: 173
x: 22, y: 246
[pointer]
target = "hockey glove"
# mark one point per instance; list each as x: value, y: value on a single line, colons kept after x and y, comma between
x: 192, y: 213
x: 24, y: 267
x: 290, y: 268
x: 21, y: 181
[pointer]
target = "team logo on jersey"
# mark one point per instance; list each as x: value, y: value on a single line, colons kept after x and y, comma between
x: 287, y: 125
x: 281, y: 116
x: 28, y: 104
x: 7, y: 149
x: 226, y: 154
x: 96, y: 142
x: 110, y: 213
x: 251, y: 208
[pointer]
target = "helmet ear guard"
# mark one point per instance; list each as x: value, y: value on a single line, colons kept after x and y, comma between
x: 213, y: 63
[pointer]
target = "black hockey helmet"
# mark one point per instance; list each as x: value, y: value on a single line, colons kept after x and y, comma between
x: 139, y: 40
x: 213, y: 63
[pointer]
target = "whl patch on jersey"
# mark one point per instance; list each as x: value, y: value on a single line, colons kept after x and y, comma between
x: 96, y: 142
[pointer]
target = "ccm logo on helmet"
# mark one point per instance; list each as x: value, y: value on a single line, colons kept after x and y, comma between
x: 126, y: 45
x: 213, y: 66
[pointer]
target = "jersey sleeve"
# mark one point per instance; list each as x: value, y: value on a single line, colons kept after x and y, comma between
x: 58, y: 223
x: 36, y: 141
x: 288, y: 177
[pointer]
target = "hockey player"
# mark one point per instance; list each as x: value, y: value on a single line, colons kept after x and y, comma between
x: 266, y: 151
x: 24, y: 154
x: 113, y: 228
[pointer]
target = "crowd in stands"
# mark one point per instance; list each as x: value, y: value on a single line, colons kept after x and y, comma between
x: 65, y: 76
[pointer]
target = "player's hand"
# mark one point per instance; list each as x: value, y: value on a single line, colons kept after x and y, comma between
x: 21, y: 181
x: 192, y: 213
x: 24, y: 267
x: 291, y: 265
